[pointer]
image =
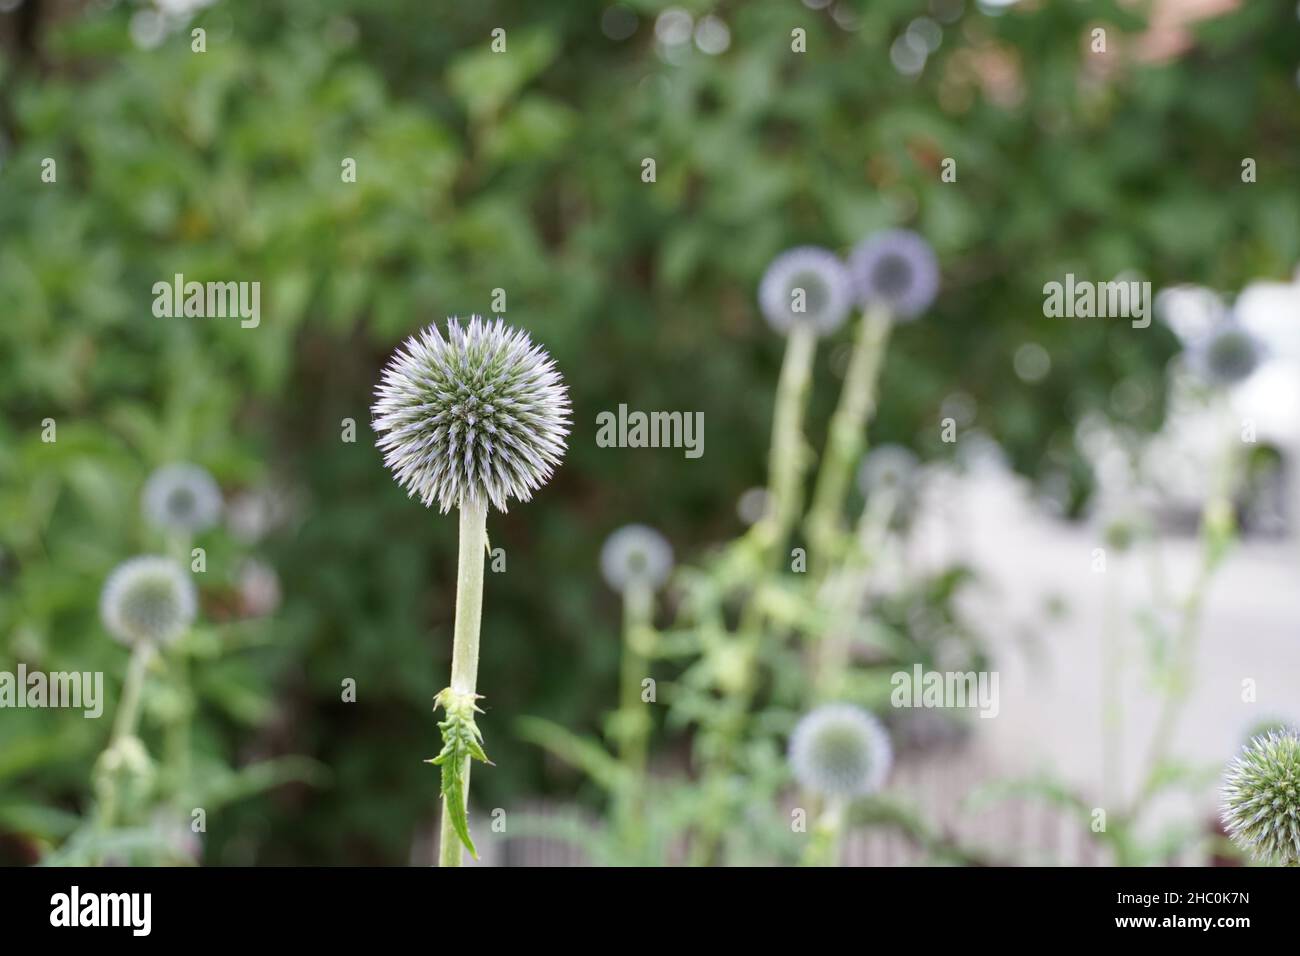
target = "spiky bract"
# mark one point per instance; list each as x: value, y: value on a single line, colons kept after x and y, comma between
x: 480, y: 413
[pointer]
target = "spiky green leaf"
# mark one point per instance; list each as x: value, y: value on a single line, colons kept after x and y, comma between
x: 461, y: 742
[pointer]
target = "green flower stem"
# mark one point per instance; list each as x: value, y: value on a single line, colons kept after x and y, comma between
x: 638, y: 604
x: 788, y: 457
x: 1112, y: 700
x: 127, y: 718
x: 179, y: 730
x: 847, y: 438
x: 1218, y: 528
x: 824, y: 841
x: 787, y: 463
x: 828, y: 656
x: 633, y: 718
x: 464, y: 655
x: 125, y: 723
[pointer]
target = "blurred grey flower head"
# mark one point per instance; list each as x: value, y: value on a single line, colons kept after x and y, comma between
x: 840, y: 750
x: 1261, y: 799
x: 752, y: 505
x: 888, y: 468
x: 478, y: 414
x: 1227, y: 356
x: 182, y: 497
x: 254, y: 513
x: 1192, y: 311
x: 148, y: 599
x: 259, y: 588
x: 636, y: 554
x: 806, y: 285
x: 898, y: 268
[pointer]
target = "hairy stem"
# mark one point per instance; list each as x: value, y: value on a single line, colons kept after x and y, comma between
x: 638, y: 601
x: 845, y: 591
x: 847, y: 438
x: 1217, y: 530
x: 1112, y: 699
x: 125, y: 722
x: 127, y: 718
x: 788, y: 457
x: 464, y: 654
x: 824, y: 841
x: 787, y: 463
x: 633, y: 718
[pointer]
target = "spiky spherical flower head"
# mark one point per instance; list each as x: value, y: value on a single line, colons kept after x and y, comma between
x: 840, y: 751
x: 898, y: 268
x: 1227, y: 356
x: 479, y: 414
x: 181, y: 497
x: 1261, y: 798
x: 806, y: 285
x: 636, y: 555
x: 148, y: 599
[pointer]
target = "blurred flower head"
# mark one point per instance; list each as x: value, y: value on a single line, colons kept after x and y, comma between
x: 480, y: 414
x: 1227, y: 356
x: 254, y: 513
x: 898, y: 268
x: 148, y: 600
x: 1261, y: 799
x: 806, y: 285
x: 752, y: 505
x: 182, y: 497
x: 888, y: 468
x: 1271, y: 312
x: 839, y: 750
x: 1192, y: 311
x: 636, y: 554
x: 259, y: 588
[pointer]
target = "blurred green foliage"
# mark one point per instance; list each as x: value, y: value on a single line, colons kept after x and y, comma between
x: 521, y: 171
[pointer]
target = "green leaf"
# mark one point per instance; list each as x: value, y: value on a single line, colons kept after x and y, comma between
x: 461, y: 742
x: 586, y: 755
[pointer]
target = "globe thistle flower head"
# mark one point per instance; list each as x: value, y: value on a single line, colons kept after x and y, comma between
x: 840, y: 750
x: 1261, y: 798
x: 888, y: 468
x: 181, y: 497
x: 898, y: 268
x: 148, y: 600
x: 636, y: 554
x: 479, y: 414
x: 1227, y: 356
x: 806, y: 285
